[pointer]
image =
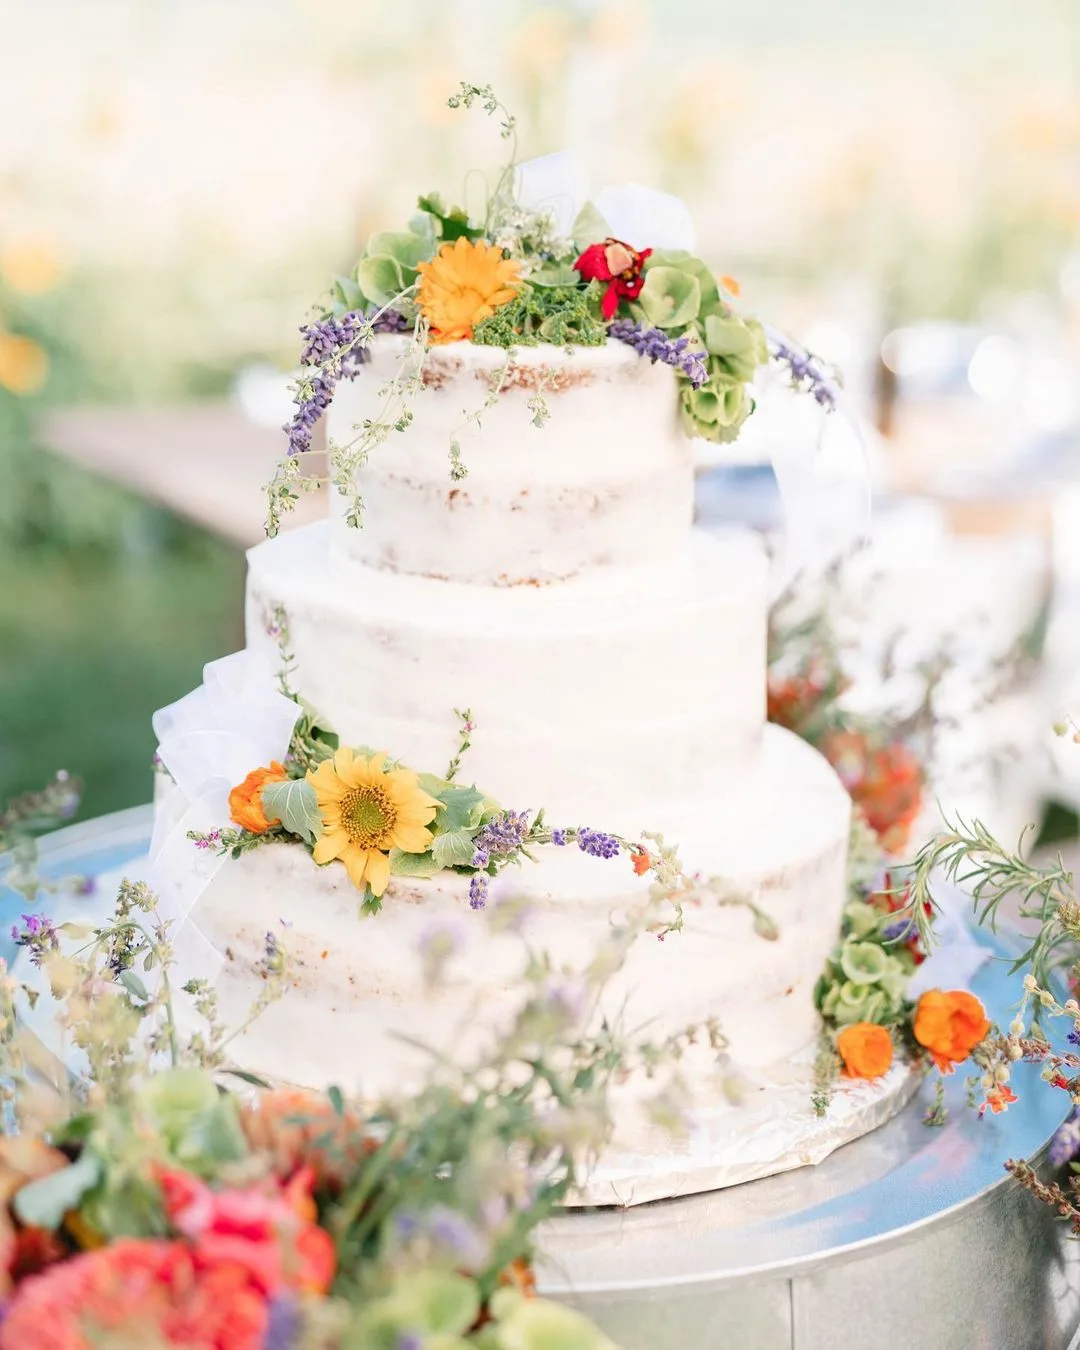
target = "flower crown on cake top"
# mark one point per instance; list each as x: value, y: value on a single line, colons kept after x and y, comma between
x: 546, y: 262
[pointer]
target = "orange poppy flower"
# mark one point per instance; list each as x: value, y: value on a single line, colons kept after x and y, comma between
x: 866, y: 1049
x: 245, y: 801
x: 950, y: 1024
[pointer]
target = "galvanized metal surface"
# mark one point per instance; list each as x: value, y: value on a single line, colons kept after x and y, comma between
x: 910, y: 1238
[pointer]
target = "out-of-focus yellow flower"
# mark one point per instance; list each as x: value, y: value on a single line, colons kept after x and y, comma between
x: 24, y: 365
x: 30, y: 266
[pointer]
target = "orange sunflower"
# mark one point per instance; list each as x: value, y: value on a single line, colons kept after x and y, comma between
x: 366, y: 811
x: 464, y: 283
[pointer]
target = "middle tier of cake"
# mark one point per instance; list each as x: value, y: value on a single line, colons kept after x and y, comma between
x: 601, y: 699
x: 774, y: 835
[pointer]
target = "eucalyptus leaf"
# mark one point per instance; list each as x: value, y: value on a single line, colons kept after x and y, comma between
x: 670, y: 298
x: 453, y: 849
x: 412, y: 864
x: 294, y: 803
x: 43, y: 1203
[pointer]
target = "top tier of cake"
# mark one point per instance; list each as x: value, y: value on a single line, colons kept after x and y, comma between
x: 605, y: 482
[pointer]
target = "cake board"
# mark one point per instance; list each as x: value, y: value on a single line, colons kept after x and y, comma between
x: 910, y: 1236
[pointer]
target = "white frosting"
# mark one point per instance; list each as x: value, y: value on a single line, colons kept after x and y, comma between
x: 601, y: 699
x: 607, y: 481
x: 777, y: 833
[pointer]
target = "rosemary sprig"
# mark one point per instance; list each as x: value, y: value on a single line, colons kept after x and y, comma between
x: 969, y: 856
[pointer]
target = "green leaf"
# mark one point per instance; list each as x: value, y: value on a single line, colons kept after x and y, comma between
x: 740, y: 345
x: 453, y: 849
x: 462, y: 808
x: 453, y: 223
x: 536, y: 1324
x: 404, y: 247
x: 683, y: 261
x: 347, y: 293
x: 590, y: 227
x: 252, y: 1078
x: 134, y: 986
x: 412, y: 864
x: 555, y: 276
x: 43, y: 1203
x: 337, y: 1101
x: 294, y: 803
x: 670, y: 298
x: 380, y: 279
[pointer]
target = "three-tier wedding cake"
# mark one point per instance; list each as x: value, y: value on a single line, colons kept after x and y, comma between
x: 518, y: 694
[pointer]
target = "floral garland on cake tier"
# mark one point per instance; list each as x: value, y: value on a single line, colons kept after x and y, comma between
x: 358, y: 807
x: 548, y: 263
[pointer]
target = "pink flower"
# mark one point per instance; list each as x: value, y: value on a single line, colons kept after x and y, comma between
x: 270, y: 1233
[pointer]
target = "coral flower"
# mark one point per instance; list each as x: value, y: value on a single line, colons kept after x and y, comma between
x: 366, y: 811
x: 620, y: 266
x: 950, y: 1024
x: 998, y: 1098
x: 641, y: 861
x: 136, y: 1292
x: 302, y: 1130
x: 884, y: 781
x: 866, y: 1049
x: 464, y: 283
x: 245, y: 801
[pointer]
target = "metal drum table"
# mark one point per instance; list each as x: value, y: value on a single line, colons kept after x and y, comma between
x: 910, y: 1238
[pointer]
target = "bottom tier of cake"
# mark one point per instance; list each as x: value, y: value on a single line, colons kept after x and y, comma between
x: 777, y: 835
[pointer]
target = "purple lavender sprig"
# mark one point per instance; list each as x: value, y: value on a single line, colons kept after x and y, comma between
x: 598, y: 845
x: 38, y: 934
x: 807, y: 374
x: 1065, y: 1145
x: 657, y: 346
x: 334, y: 349
x: 501, y: 837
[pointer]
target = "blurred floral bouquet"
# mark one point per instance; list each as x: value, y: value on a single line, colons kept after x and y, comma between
x: 153, y: 1196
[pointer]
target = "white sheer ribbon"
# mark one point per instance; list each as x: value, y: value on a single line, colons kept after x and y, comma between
x: 209, y: 741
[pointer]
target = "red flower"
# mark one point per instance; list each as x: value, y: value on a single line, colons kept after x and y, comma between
x: 620, y: 266
x: 154, y: 1289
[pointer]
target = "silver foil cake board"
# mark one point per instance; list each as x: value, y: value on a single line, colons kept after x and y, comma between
x: 908, y: 1238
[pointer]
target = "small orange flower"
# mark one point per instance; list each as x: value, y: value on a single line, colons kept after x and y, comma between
x: 998, y: 1098
x: 642, y: 861
x: 885, y: 782
x: 950, y: 1024
x: 464, y: 283
x: 730, y: 285
x: 245, y: 801
x: 866, y: 1049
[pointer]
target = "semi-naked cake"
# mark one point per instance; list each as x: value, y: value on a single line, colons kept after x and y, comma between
x: 509, y: 645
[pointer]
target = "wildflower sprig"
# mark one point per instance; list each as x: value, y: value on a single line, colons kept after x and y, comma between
x: 21, y: 821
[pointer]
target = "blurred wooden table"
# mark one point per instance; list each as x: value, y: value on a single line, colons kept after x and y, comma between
x: 205, y: 461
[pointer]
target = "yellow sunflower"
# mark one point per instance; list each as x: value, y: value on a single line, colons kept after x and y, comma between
x: 366, y: 811
x: 465, y: 282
